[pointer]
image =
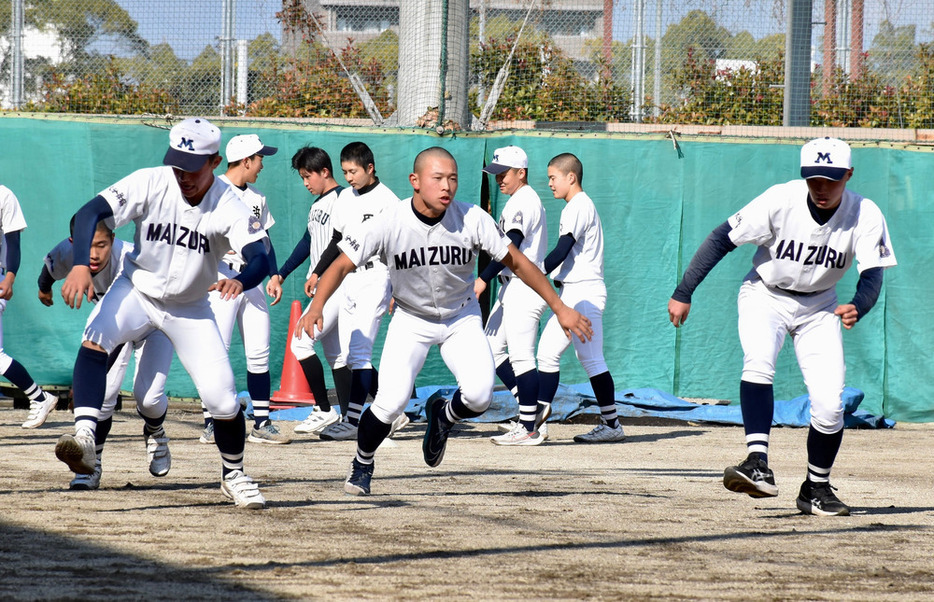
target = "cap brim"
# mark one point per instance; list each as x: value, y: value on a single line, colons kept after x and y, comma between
x: 495, y: 168
x: 828, y: 173
x: 184, y: 161
x: 267, y: 150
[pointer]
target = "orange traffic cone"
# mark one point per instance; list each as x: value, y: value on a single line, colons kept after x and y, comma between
x: 293, y: 388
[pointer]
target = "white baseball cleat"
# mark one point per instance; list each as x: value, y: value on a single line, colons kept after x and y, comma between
x: 39, y: 410
x: 242, y: 490
x: 317, y: 421
x: 78, y: 452
x: 84, y: 482
x: 157, y: 451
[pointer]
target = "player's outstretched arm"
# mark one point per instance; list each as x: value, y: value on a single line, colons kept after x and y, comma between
x: 326, y: 285
x: 678, y: 312
x: 570, y: 319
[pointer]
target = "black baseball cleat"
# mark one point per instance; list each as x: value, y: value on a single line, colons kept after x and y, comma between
x: 819, y: 499
x: 753, y: 477
x: 436, y: 435
x: 358, y: 481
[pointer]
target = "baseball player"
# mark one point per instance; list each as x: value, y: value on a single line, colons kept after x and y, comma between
x: 105, y: 261
x: 576, y: 266
x: 366, y: 292
x: 513, y: 322
x: 248, y: 311
x: 12, y: 223
x: 186, y: 220
x: 430, y: 243
x: 808, y: 233
x: 314, y: 167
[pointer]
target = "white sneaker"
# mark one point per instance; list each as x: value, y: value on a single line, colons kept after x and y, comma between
x: 505, y: 427
x: 85, y: 482
x: 518, y: 436
x: 339, y: 431
x: 78, y: 452
x: 398, y: 424
x: 207, y: 435
x: 543, y: 431
x: 317, y: 421
x: 39, y: 410
x: 602, y: 434
x: 242, y: 490
x: 157, y: 451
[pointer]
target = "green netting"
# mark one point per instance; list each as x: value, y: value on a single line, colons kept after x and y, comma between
x: 656, y: 208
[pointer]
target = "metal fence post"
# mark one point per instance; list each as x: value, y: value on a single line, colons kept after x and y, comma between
x: 16, y: 70
x: 796, y: 111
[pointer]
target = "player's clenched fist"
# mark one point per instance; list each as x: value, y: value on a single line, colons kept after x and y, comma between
x: 848, y: 314
x: 678, y: 312
x: 78, y: 284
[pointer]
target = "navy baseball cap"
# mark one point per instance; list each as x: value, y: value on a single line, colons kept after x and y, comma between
x: 246, y: 145
x: 191, y: 143
x: 827, y: 158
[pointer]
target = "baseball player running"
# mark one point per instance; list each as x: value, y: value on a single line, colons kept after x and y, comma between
x: 576, y: 265
x: 12, y: 223
x: 366, y: 292
x: 105, y: 262
x: 430, y: 243
x: 315, y: 169
x: 808, y: 233
x: 186, y: 220
x: 248, y: 311
x: 513, y: 322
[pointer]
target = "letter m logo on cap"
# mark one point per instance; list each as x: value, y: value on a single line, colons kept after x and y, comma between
x: 190, y: 145
x: 825, y: 157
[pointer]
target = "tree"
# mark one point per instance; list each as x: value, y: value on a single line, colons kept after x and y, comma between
x: 893, y: 52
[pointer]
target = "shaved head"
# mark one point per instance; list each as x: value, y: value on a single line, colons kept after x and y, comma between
x: 434, y: 151
x: 567, y: 163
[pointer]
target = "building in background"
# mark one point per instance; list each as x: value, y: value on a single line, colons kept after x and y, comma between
x: 570, y: 23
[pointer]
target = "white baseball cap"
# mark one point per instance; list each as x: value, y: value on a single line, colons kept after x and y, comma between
x: 191, y: 142
x: 247, y: 145
x: 505, y: 158
x: 827, y: 158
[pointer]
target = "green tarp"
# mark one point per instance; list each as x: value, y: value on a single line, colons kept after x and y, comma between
x: 656, y: 208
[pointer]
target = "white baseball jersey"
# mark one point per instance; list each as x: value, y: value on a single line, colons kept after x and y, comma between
x: 255, y: 201
x: 524, y: 212
x: 585, y: 261
x: 796, y: 253
x: 320, y: 229
x: 61, y: 259
x: 11, y: 219
x: 431, y: 267
x: 178, y: 247
x: 353, y: 208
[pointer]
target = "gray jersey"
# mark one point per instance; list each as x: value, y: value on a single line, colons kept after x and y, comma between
x: 61, y: 259
x: 431, y: 267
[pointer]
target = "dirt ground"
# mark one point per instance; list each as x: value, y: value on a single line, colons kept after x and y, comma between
x: 645, y: 519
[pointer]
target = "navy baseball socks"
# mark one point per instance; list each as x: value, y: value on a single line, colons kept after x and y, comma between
x: 753, y: 476
x: 372, y: 432
x: 816, y: 495
x: 89, y: 379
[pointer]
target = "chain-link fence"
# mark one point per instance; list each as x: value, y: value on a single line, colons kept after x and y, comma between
x: 476, y: 64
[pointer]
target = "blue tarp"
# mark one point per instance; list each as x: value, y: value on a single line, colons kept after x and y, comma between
x: 576, y: 400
